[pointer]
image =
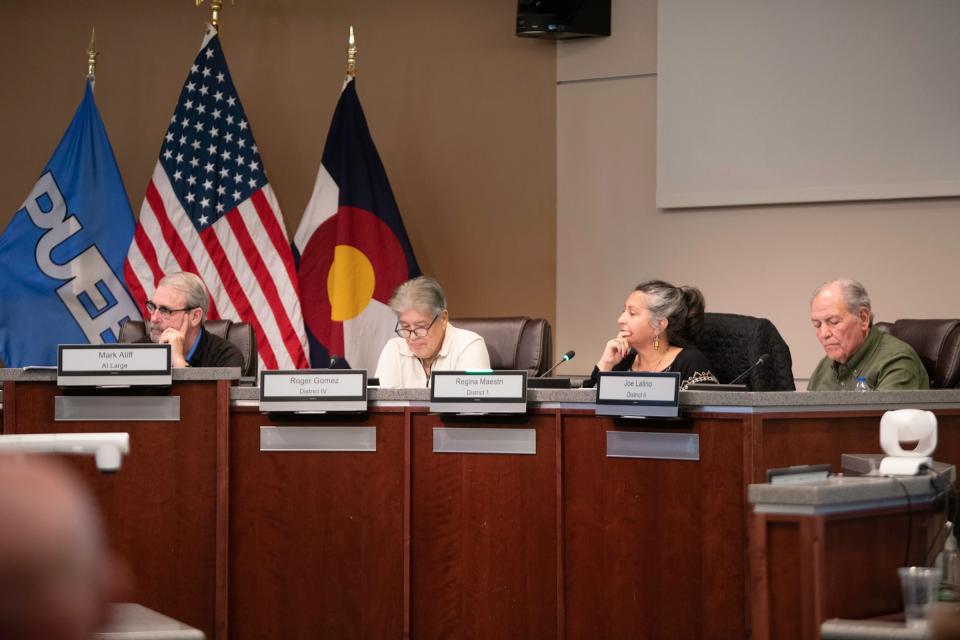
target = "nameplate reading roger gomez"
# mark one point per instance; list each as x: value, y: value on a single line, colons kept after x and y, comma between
x: 93, y: 365
x: 478, y: 392
x: 628, y: 393
x: 313, y: 390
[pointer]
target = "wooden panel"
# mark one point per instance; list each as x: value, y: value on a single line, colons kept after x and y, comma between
x: 654, y: 548
x: 862, y: 580
x: 784, y: 579
x: 805, y: 438
x: 840, y: 566
x: 160, y: 508
x: 484, y: 540
x: 316, y: 538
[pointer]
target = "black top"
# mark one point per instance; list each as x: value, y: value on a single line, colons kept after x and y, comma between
x: 212, y: 351
x: 690, y: 363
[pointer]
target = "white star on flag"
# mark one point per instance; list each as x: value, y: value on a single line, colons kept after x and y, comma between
x: 237, y: 243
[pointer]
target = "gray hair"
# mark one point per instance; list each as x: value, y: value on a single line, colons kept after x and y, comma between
x: 191, y: 286
x: 853, y: 292
x: 422, y: 293
x: 681, y: 307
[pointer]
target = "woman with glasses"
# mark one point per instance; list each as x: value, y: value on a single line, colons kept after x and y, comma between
x: 426, y: 340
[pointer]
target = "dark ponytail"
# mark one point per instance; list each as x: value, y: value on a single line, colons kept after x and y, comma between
x: 682, y: 307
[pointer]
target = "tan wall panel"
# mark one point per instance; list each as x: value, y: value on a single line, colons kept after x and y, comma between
x: 631, y: 49
x: 761, y: 261
x: 462, y: 111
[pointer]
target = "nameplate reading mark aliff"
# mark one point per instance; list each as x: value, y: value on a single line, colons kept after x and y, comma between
x: 640, y: 395
x: 313, y: 390
x: 106, y: 365
x: 478, y: 392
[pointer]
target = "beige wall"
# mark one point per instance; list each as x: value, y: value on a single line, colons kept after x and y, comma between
x: 760, y: 260
x: 463, y: 113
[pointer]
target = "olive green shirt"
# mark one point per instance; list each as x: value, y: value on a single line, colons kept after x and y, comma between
x: 886, y: 363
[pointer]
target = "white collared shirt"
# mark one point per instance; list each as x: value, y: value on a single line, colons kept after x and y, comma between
x: 461, y: 350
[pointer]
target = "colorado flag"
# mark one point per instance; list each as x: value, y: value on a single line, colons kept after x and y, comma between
x: 353, y: 249
x: 62, y: 254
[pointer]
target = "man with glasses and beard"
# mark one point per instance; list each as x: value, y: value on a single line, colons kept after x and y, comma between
x: 176, y: 314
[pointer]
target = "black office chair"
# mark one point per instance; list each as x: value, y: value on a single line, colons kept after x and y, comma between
x: 239, y: 334
x: 733, y: 343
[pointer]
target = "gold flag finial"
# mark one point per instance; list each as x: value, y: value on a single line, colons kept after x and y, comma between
x: 92, y: 54
x: 215, y: 7
x: 351, y: 55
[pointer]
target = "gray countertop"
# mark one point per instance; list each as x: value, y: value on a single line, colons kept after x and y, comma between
x: 711, y: 401
x: 837, y: 629
x: 721, y: 401
x: 50, y: 373
x: 846, y: 493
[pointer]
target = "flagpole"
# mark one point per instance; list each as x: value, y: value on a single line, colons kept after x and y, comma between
x: 215, y: 7
x: 92, y: 54
x: 351, y: 55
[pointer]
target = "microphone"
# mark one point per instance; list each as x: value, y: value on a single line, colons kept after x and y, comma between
x: 566, y: 358
x: 762, y: 360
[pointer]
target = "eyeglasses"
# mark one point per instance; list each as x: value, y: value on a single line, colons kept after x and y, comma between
x: 165, y: 312
x: 416, y: 332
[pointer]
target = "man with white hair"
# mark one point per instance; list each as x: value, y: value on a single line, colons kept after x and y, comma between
x: 57, y: 577
x: 842, y: 317
x: 177, y: 311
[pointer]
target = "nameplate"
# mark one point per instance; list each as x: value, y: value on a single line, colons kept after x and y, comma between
x: 658, y: 446
x: 314, y: 390
x: 127, y: 408
x: 107, y: 365
x: 633, y: 394
x: 333, y: 439
x: 478, y: 392
x: 495, y: 440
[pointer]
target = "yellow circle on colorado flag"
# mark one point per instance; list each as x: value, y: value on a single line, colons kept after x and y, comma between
x: 350, y: 282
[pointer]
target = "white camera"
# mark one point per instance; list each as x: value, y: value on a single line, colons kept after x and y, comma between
x: 107, y: 449
x: 907, y: 425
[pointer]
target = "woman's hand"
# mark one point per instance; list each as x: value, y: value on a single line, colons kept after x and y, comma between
x: 615, y: 351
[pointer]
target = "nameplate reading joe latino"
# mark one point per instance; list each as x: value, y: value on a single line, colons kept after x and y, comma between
x: 637, y: 387
x: 627, y: 393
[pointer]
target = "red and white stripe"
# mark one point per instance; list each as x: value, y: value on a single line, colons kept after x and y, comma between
x: 244, y: 258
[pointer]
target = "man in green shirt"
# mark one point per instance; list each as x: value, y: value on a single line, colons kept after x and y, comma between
x: 841, y: 315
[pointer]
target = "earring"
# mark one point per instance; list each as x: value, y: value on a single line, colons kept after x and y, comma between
x: 656, y: 342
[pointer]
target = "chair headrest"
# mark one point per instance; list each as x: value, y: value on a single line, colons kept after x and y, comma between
x: 937, y: 342
x: 502, y: 336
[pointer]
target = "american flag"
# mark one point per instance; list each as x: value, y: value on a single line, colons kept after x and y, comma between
x: 210, y: 210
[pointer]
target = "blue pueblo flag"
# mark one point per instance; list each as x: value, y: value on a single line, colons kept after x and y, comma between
x: 62, y: 254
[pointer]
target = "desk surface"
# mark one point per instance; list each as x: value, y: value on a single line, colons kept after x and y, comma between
x: 846, y: 493
x: 706, y: 401
x: 188, y: 373
x: 130, y: 621
x: 722, y: 401
x: 837, y: 629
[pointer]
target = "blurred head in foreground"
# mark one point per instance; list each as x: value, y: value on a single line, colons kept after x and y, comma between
x: 56, y: 576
